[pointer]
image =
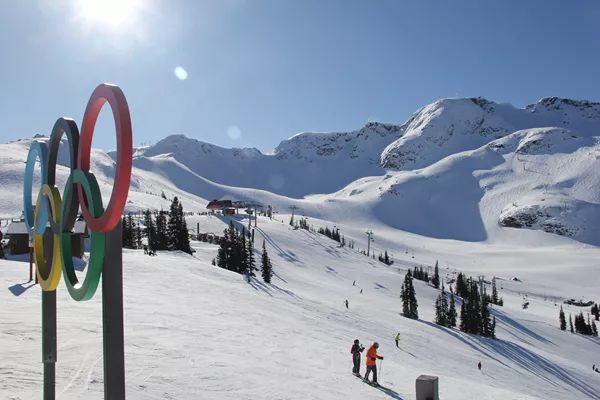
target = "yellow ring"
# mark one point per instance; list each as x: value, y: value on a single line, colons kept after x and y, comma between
x: 48, y: 280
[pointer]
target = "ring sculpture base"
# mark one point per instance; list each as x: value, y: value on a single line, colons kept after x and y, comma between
x: 427, y: 387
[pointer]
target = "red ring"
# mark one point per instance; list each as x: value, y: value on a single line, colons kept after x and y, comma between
x: 115, y: 97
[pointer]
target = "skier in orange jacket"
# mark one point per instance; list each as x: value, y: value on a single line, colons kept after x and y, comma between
x: 371, y: 359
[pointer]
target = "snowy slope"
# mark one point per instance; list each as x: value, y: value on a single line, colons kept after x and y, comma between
x: 302, y: 165
x: 146, y: 188
x: 208, y: 334
x: 451, y: 126
x: 460, y: 169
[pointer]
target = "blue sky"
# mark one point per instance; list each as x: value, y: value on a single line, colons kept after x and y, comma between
x: 260, y: 71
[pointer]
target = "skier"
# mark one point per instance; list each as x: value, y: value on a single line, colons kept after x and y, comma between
x: 479, y: 365
x: 356, y: 350
x: 346, y: 302
x: 360, y: 291
x: 372, y: 357
x: 354, y: 283
x: 397, y: 339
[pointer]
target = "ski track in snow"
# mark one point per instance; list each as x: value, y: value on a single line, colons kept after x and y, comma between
x: 194, y: 330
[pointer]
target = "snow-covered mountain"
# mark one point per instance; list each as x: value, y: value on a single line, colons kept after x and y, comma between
x: 305, y: 164
x: 484, y: 188
x: 462, y: 169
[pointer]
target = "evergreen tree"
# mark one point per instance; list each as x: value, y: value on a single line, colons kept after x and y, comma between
x: 594, y: 328
x: 178, y: 237
x: 127, y: 226
x: 441, y: 308
x: 486, y: 323
x: 409, y: 299
x: 267, y: 268
x: 243, y: 249
x: 562, y: 320
x: 174, y: 225
x: 571, y: 324
x: 436, y: 276
x: 251, y: 262
x: 223, y: 252
x: 150, y: 230
x: 452, y: 312
x: 461, y: 285
x: 184, y: 237
x: 495, y: 299
x: 162, y: 240
x: 595, y: 312
x: 463, y: 317
x: 138, y: 236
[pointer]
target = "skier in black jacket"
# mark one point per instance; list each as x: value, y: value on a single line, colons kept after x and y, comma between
x: 356, y: 350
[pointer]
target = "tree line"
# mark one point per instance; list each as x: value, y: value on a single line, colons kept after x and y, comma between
x: 475, y: 315
x: 163, y: 230
x: 581, y: 326
x: 236, y: 253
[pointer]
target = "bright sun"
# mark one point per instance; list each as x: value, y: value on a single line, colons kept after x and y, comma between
x: 113, y: 13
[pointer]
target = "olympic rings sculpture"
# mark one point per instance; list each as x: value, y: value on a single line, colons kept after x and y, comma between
x: 81, y: 190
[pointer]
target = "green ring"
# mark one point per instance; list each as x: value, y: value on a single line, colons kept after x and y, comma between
x: 85, y: 290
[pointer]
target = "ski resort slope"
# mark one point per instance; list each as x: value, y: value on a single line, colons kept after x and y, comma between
x: 145, y: 191
x: 196, y: 331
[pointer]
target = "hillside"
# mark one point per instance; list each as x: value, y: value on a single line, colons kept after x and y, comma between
x: 185, y: 339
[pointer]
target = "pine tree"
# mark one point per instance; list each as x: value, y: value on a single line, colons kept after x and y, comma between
x: 243, y: 250
x: 386, y: 258
x: 162, y: 240
x: 409, y: 299
x: 562, y: 320
x: 452, y: 312
x: 441, y: 308
x: 138, y: 236
x: 594, y: 329
x: 495, y: 299
x: 570, y: 324
x: 463, y: 317
x: 436, y: 276
x: 178, y: 237
x: 174, y: 224
x: 251, y: 262
x: 127, y: 234
x: 222, y: 253
x: 461, y: 285
x: 595, y: 312
x: 267, y: 268
x: 486, y: 323
x: 404, y: 296
x: 184, y: 237
x: 150, y: 230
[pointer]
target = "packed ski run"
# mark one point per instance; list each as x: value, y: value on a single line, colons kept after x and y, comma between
x: 194, y: 329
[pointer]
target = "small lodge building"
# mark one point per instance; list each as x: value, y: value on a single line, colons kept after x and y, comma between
x: 18, y: 238
x: 226, y: 207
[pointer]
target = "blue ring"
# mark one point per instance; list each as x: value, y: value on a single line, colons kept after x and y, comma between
x: 37, y: 150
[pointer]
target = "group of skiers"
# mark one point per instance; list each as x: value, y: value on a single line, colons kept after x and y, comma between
x: 371, y: 361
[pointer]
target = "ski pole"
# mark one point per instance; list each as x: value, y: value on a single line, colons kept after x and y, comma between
x: 380, y: 362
